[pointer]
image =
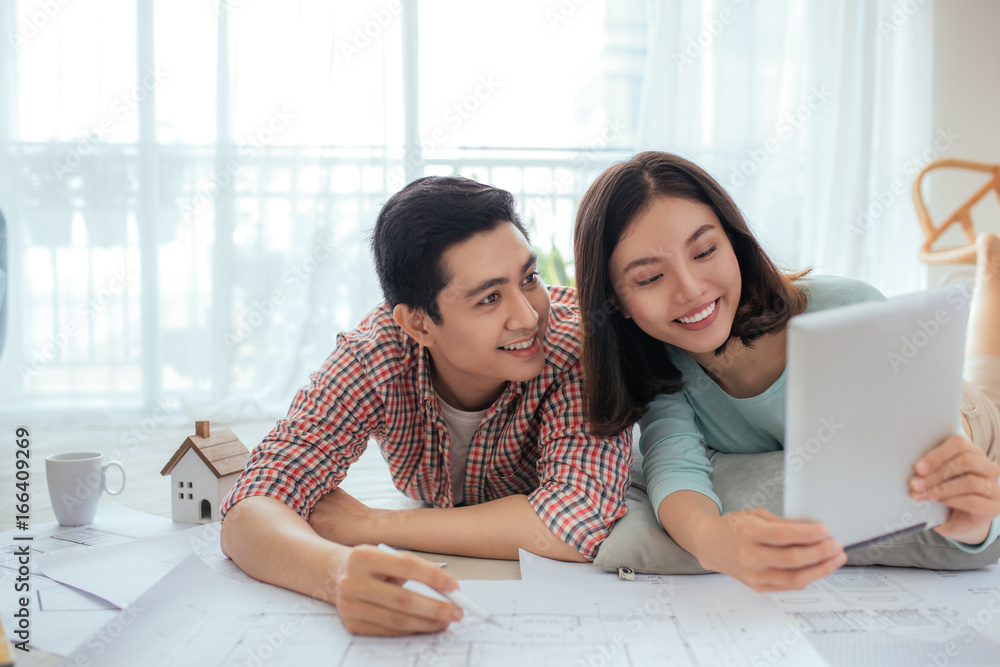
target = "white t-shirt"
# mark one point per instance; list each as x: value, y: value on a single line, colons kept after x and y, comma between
x: 461, y: 427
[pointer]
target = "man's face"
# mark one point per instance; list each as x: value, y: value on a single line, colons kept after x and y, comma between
x: 495, y: 311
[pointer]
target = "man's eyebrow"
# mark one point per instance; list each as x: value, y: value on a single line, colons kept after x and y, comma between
x: 643, y: 261
x: 493, y: 282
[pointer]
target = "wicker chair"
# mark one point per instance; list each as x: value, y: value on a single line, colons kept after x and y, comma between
x: 962, y: 216
x: 4, y: 278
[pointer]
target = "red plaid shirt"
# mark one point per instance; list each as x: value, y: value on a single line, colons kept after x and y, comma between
x: 533, y: 439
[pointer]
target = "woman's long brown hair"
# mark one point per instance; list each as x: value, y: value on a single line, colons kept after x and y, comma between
x: 624, y: 368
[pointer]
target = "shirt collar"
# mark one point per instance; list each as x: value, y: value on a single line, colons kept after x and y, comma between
x: 428, y: 397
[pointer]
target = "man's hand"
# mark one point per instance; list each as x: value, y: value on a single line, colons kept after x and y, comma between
x: 766, y: 552
x: 958, y: 474
x: 272, y: 543
x: 341, y: 518
x: 371, y: 599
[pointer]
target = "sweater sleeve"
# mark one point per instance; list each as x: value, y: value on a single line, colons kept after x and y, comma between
x: 673, y: 450
x: 976, y: 548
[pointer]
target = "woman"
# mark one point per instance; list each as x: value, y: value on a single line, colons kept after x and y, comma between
x: 685, y: 321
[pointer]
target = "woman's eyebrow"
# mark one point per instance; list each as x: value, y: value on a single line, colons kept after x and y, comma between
x: 700, y: 232
x: 636, y: 263
x: 643, y: 261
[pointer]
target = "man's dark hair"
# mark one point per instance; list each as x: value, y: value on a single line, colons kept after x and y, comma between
x: 624, y: 368
x: 420, y: 222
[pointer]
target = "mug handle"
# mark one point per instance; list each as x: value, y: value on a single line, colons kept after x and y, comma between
x: 104, y: 477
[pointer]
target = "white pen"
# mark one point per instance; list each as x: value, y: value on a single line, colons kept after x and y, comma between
x: 458, y: 597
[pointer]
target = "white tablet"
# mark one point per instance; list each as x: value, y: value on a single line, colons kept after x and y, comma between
x: 871, y: 387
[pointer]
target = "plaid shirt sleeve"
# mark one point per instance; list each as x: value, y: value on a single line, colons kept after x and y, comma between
x: 582, y: 478
x: 326, y: 429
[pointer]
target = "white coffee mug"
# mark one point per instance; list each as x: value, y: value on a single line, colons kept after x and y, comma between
x: 76, y: 480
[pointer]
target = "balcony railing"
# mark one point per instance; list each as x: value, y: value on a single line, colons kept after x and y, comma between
x: 122, y: 295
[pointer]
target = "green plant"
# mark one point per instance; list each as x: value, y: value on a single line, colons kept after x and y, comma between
x: 553, y: 266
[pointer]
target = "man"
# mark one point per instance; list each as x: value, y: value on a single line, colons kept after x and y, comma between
x: 467, y: 378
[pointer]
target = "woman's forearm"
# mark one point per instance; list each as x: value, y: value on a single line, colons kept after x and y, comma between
x: 684, y: 515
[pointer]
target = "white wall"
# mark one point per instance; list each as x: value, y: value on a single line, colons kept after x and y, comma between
x: 966, y: 99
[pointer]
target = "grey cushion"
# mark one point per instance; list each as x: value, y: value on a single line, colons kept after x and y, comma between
x: 747, y: 481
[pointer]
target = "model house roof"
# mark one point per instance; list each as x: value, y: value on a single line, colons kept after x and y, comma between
x: 221, y: 451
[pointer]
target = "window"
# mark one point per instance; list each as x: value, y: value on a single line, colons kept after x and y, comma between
x: 173, y: 253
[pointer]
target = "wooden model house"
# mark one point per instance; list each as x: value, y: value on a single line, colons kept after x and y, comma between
x: 202, y: 471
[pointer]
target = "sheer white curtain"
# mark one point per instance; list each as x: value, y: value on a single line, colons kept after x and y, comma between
x: 188, y: 195
x: 188, y: 185
x: 816, y: 116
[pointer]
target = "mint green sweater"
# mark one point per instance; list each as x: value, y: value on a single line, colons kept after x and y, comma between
x: 679, y: 426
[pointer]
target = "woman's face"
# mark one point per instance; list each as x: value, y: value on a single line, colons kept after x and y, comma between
x: 675, y: 273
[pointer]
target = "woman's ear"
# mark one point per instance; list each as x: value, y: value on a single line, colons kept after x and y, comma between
x: 414, y: 322
x: 619, y: 307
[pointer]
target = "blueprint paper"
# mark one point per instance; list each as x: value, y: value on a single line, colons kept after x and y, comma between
x: 889, y: 617
x: 118, y: 573
x: 196, y: 615
x: 121, y: 572
x: 539, y: 568
x: 61, y: 617
x: 114, y: 524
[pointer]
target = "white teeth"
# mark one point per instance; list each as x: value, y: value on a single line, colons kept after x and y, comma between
x: 698, y: 317
x: 519, y: 346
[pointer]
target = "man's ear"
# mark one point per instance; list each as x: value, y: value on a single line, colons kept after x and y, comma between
x: 414, y: 322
